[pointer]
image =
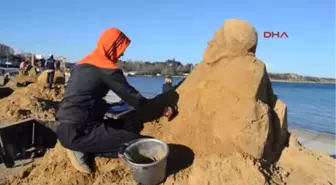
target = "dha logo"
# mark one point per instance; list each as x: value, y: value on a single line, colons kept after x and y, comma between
x: 277, y: 34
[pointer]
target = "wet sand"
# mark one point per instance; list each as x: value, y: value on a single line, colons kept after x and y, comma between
x: 316, y: 141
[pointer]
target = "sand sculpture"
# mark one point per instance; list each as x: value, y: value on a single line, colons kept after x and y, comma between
x: 229, y: 118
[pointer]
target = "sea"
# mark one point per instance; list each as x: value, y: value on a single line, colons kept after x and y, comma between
x: 310, y: 106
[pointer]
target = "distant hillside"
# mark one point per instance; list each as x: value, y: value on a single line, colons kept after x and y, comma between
x: 173, y: 67
x: 292, y: 77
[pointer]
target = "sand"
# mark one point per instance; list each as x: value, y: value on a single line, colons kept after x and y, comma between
x: 59, y: 78
x: 34, y: 101
x: 303, y: 135
x: 231, y: 126
x: 299, y: 165
x: 54, y: 163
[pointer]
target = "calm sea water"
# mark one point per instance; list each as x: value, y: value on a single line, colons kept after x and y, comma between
x: 310, y: 106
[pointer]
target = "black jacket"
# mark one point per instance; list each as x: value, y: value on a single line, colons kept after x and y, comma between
x: 167, y: 87
x: 83, y: 97
x: 50, y: 64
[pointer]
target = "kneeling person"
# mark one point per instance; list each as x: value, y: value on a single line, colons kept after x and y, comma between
x: 82, y: 130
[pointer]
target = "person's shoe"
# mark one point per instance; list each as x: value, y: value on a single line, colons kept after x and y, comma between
x: 79, y: 161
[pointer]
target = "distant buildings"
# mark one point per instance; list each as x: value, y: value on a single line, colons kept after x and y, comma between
x: 6, y: 50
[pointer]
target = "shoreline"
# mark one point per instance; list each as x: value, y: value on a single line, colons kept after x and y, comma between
x: 316, y: 141
x: 301, y: 82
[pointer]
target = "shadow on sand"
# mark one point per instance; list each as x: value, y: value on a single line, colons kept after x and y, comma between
x: 23, y: 140
x: 49, y: 104
x: 5, y: 91
x: 179, y: 158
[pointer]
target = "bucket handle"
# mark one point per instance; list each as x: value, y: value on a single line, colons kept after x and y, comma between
x: 121, y: 152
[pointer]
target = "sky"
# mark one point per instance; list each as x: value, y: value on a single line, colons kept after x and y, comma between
x: 179, y: 29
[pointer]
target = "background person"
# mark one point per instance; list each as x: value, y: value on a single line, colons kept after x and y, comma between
x: 167, y: 85
x: 50, y: 69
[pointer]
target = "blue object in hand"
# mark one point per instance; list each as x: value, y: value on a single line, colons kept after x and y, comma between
x: 118, y: 108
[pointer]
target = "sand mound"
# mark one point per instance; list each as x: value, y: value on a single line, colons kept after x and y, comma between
x: 20, y: 79
x: 55, y: 162
x: 228, y: 116
x: 33, y: 101
x: 32, y: 77
x: 59, y: 78
x: 228, y: 101
x: 233, y: 169
x: 298, y: 165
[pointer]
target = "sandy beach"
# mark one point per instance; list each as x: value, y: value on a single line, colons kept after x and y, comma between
x: 316, y: 141
x: 222, y: 133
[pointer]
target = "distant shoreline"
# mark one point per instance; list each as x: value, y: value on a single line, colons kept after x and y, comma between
x: 301, y: 82
x: 272, y: 80
x: 176, y: 76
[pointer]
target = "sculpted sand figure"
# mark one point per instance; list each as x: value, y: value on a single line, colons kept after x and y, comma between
x: 233, y: 111
x: 261, y: 115
x: 233, y: 107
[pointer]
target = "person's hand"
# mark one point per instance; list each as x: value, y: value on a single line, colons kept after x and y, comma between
x: 168, y: 112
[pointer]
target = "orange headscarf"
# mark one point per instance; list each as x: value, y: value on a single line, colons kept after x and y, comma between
x: 111, y: 45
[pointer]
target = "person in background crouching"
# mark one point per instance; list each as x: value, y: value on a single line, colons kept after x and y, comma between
x: 50, y: 69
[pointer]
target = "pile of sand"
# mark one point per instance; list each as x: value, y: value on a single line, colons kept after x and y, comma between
x: 20, y: 79
x: 56, y: 170
x: 228, y: 116
x: 33, y: 101
x: 59, y: 78
x: 32, y: 77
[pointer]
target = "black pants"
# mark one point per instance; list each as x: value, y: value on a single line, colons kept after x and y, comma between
x: 50, y: 79
x: 98, y: 139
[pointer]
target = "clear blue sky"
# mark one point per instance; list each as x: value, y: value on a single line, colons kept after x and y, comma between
x: 179, y: 29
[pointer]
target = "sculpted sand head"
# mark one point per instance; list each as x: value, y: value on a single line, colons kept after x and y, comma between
x: 234, y: 38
